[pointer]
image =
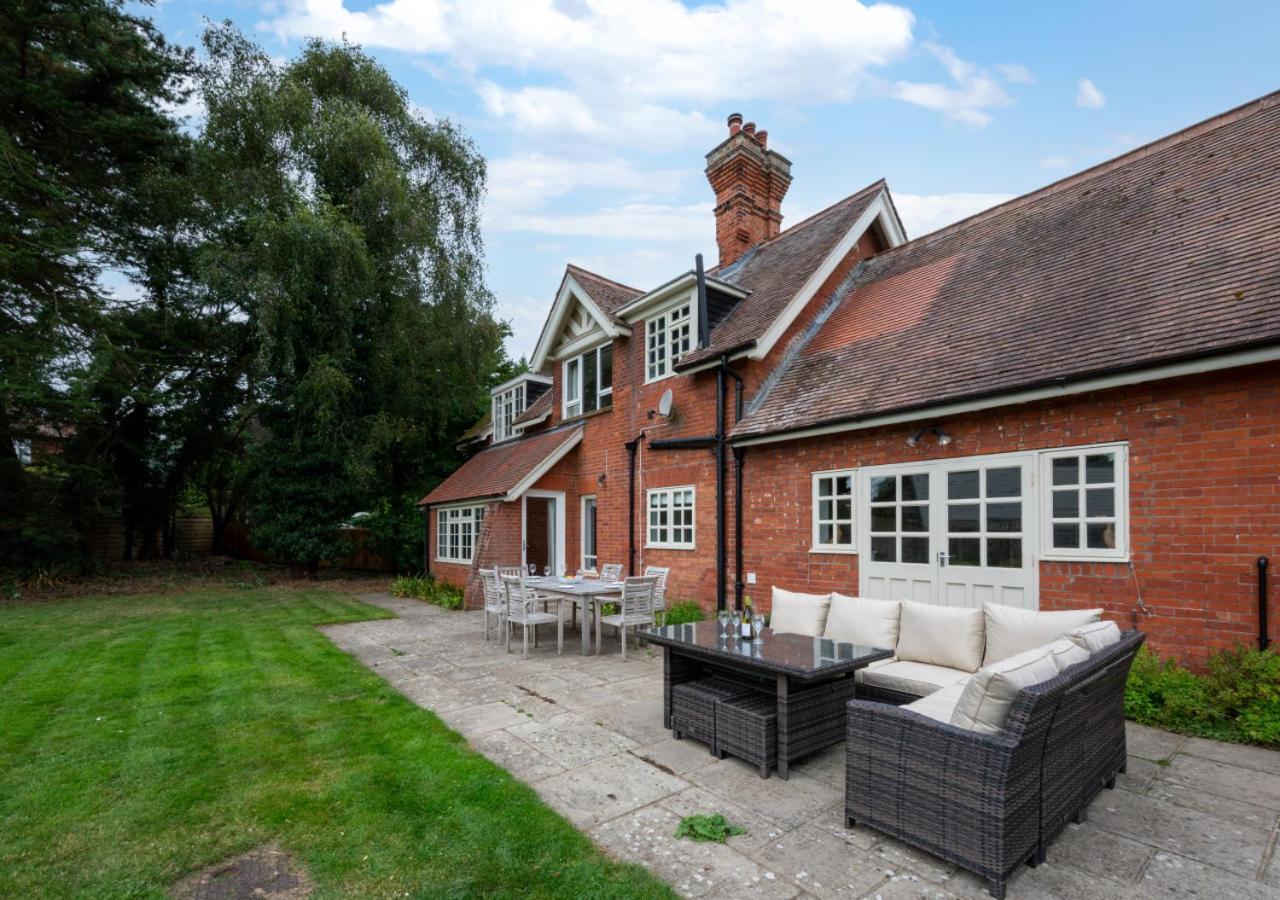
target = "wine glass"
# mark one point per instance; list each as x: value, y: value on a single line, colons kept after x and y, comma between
x: 533, y: 569
x: 724, y: 622
x: 546, y: 570
x: 736, y: 619
x: 757, y: 624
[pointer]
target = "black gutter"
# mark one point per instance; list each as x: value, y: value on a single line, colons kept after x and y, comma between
x: 1263, y: 640
x: 684, y: 443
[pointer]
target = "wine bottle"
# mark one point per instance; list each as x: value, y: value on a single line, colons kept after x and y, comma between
x: 744, y: 630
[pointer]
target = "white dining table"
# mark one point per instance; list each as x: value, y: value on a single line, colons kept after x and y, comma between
x: 586, y: 593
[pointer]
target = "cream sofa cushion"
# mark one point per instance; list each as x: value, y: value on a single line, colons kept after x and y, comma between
x: 862, y: 620
x: 1096, y: 637
x: 1067, y: 653
x: 799, y: 613
x: 1010, y: 630
x: 989, y: 693
x: 940, y: 705
x: 911, y: 677
x: 941, y: 635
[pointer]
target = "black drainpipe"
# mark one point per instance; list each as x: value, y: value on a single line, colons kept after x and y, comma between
x: 1263, y: 640
x: 632, y: 446
x: 720, y: 554
x: 739, y: 455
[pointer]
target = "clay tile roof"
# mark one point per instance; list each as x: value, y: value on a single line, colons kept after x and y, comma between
x: 539, y: 408
x: 610, y: 296
x: 476, y: 431
x: 496, y: 470
x: 775, y: 270
x: 1169, y: 252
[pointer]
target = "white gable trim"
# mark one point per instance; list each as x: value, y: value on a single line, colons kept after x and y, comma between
x: 570, y: 291
x: 646, y: 305
x: 544, y: 467
x: 878, y: 210
x: 1011, y: 398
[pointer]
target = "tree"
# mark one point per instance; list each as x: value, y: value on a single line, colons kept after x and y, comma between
x: 82, y: 87
x: 347, y: 229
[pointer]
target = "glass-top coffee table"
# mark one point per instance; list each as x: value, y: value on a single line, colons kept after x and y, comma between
x: 810, y: 678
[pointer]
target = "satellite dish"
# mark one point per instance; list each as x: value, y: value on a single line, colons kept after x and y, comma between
x: 664, y: 405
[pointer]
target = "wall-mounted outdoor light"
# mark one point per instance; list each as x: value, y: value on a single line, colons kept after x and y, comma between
x: 942, y: 436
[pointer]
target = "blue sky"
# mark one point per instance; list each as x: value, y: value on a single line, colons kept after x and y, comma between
x: 595, y: 115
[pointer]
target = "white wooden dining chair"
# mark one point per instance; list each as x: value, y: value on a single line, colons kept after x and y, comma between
x: 635, y: 608
x: 522, y: 610
x: 611, y: 572
x: 495, y: 599
x: 660, y: 592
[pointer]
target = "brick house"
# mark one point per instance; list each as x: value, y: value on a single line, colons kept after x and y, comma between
x: 1071, y: 399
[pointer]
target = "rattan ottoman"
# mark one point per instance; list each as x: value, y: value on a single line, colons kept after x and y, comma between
x: 747, y: 727
x: 693, y: 707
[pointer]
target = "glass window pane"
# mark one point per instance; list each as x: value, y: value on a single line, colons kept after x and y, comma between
x: 1066, y: 470
x: 1100, y: 502
x: 1004, y: 517
x: 1066, y: 536
x: 844, y: 509
x: 1101, y: 535
x: 844, y: 534
x: 915, y: 518
x: 606, y: 367
x: 883, y: 518
x: 915, y: 549
x: 824, y: 534
x: 963, y: 517
x: 1066, y: 504
x: 964, y: 552
x: 824, y: 509
x: 844, y: 485
x: 884, y: 489
x: 824, y: 487
x: 1004, y: 553
x: 884, y: 549
x: 962, y: 485
x: 915, y: 487
x: 1100, y: 468
x: 1004, y: 482
x: 590, y: 388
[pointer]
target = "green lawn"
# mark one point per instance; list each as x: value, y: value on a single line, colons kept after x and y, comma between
x: 144, y: 737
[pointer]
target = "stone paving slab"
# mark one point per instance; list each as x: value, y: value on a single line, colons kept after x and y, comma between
x: 1190, y: 817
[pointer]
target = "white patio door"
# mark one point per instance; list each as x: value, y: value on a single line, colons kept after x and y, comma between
x: 955, y: 532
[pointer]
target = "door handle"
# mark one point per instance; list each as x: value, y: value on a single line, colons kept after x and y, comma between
x: 942, y: 558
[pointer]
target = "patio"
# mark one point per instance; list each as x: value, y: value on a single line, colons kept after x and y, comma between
x: 1189, y: 818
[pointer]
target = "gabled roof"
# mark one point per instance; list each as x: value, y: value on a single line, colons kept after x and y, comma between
x: 601, y: 298
x: 538, y: 410
x: 1167, y: 253
x: 479, y: 431
x: 505, y: 471
x: 778, y: 271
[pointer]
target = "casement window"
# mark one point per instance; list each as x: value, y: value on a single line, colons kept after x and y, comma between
x: 22, y: 450
x: 671, y: 519
x: 1085, y: 501
x: 458, y: 533
x: 668, y: 337
x: 506, y: 407
x: 589, y: 558
x: 833, y: 518
x: 588, y: 381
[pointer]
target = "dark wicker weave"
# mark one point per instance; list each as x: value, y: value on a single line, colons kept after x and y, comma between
x: 1086, y: 745
x: 811, y: 717
x: 747, y: 727
x: 974, y: 798
x: 884, y: 695
x: 693, y: 707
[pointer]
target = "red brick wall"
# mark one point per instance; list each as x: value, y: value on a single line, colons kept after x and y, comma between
x: 1204, y: 483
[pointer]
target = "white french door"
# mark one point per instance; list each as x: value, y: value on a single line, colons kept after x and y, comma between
x: 957, y: 532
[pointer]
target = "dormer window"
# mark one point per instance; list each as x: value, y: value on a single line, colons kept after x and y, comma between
x: 588, y: 381
x: 667, y: 336
x: 506, y: 406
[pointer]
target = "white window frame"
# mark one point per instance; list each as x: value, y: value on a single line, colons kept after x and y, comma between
x: 458, y: 530
x: 1119, y: 553
x: 575, y: 381
x: 22, y: 450
x: 657, y: 334
x: 816, y: 545
x: 507, y: 407
x: 582, y: 536
x: 667, y: 494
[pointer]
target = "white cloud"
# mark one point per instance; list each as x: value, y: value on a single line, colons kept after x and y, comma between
x: 1088, y: 95
x: 643, y: 222
x: 1055, y: 162
x: 923, y: 213
x: 973, y: 92
x: 1016, y: 73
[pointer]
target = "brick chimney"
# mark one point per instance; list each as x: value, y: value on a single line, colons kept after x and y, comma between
x: 750, y: 181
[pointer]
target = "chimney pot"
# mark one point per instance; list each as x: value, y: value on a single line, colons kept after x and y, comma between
x: 735, y: 123
x: 763, y: 138
x: 749, y: 128
x: 749, y: 181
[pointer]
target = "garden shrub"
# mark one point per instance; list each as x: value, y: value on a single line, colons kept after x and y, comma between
x: 1237, y: 699
x: 425, y: 587
x: 682, y: 612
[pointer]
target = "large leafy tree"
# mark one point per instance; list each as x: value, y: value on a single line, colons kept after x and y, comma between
x: 83, y: 84
x: 347, y: 233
